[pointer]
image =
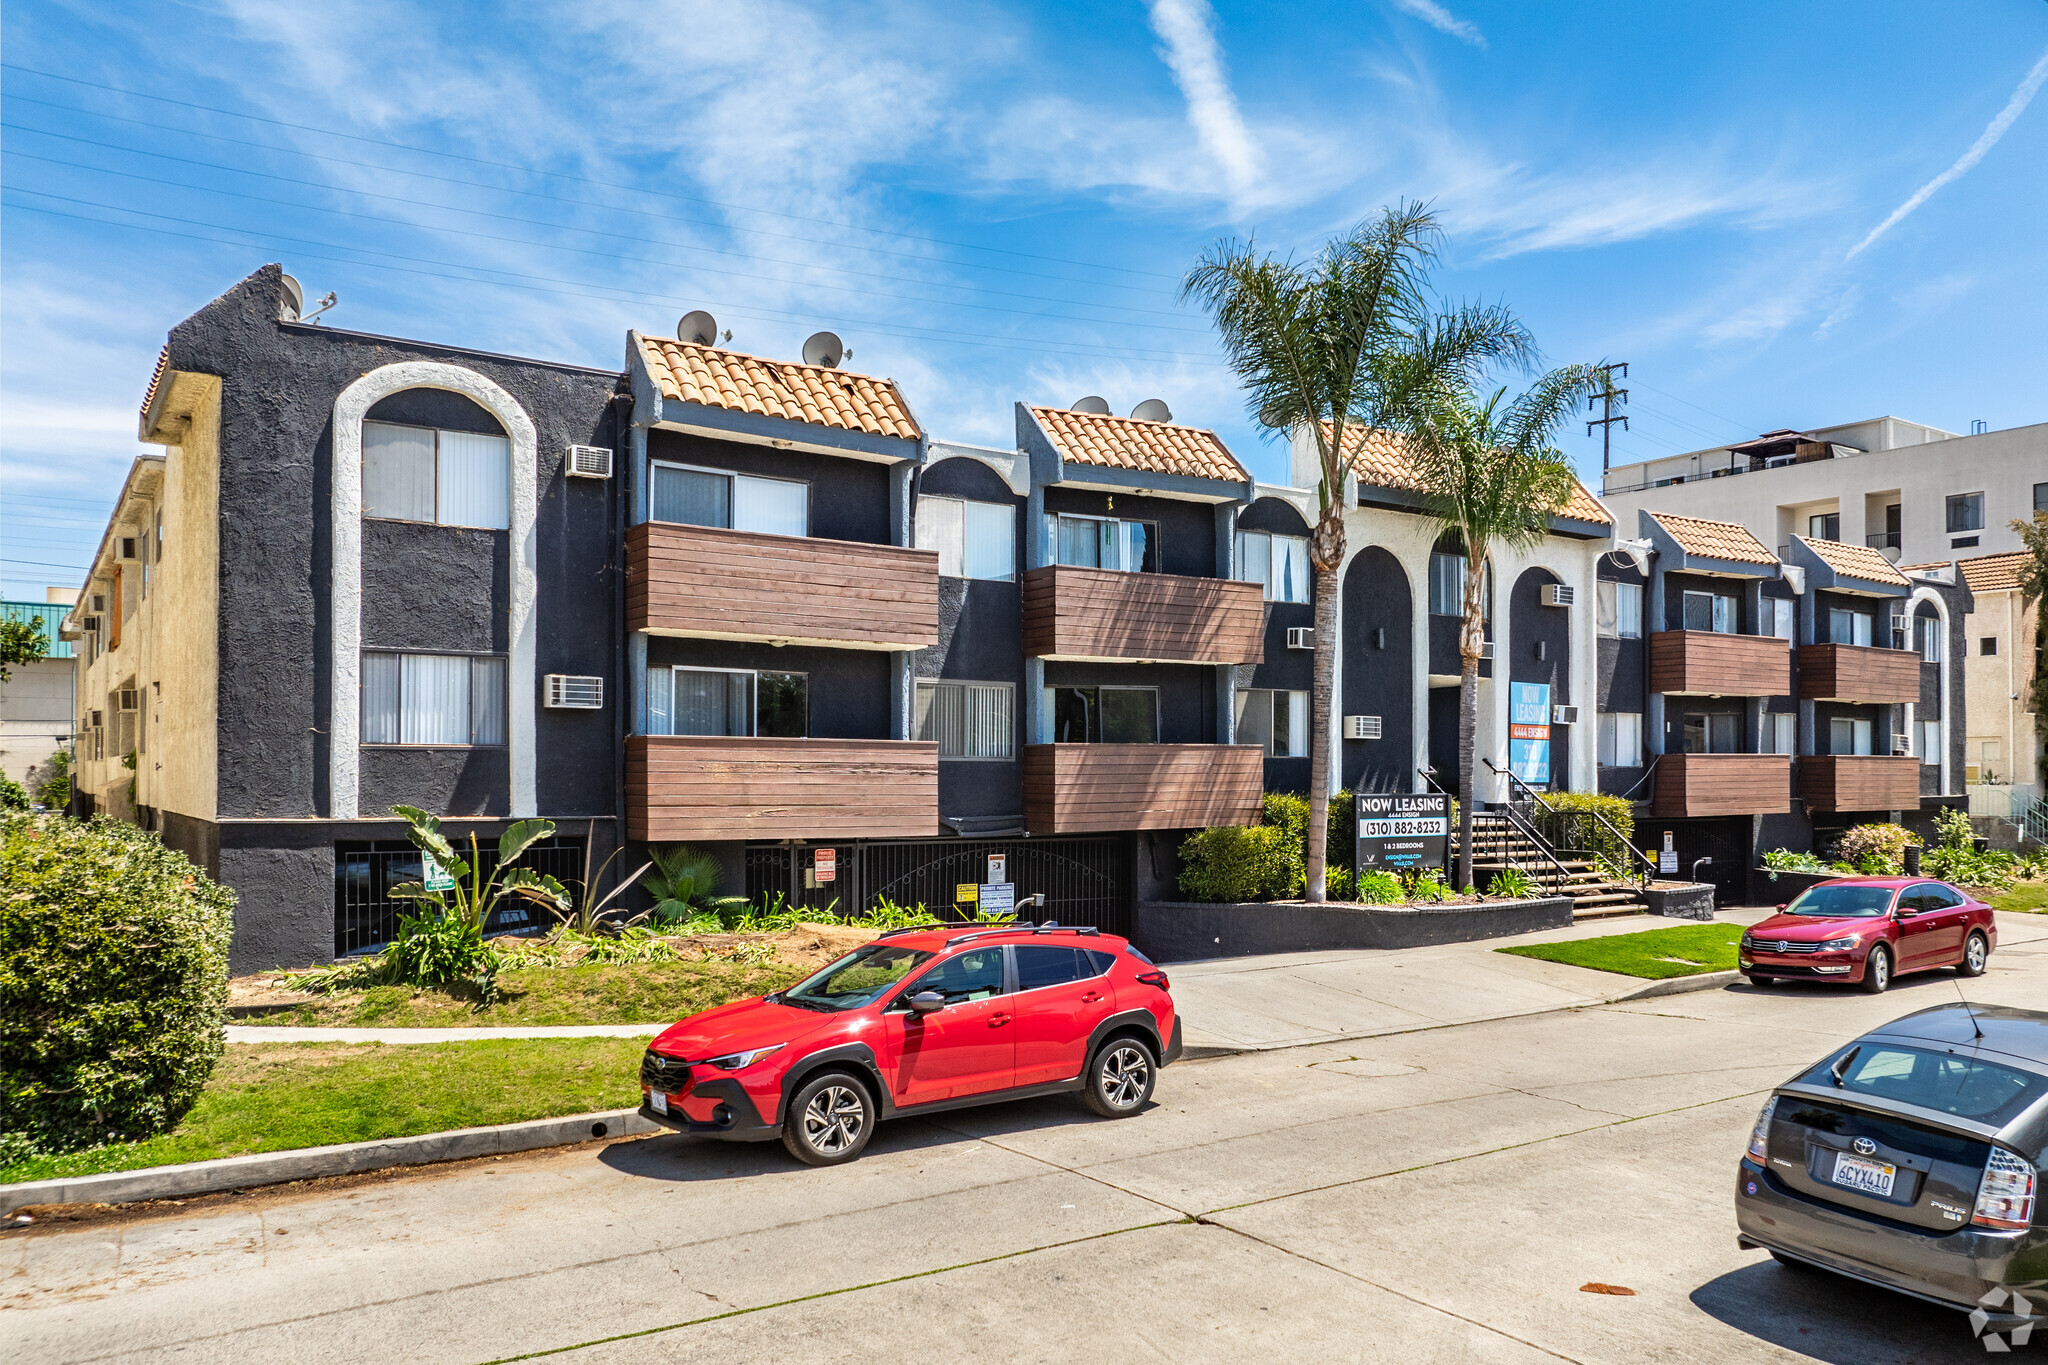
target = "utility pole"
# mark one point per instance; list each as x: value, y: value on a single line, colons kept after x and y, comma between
x: 1610, y: 396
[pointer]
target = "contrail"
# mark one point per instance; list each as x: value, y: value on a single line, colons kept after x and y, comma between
x: 1993, y: 131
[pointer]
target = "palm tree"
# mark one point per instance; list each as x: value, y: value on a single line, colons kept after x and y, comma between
x: 1491, y: 476
x: 1348, y: 339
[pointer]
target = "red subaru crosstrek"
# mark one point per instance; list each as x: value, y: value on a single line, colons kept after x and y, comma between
x: 1867, y: 930
x: 918, y: 1021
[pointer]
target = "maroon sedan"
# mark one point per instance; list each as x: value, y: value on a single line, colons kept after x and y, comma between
x: 1868, y: 930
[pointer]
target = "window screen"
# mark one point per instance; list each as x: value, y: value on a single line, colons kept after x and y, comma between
x: 474, y: 482
x: 456, y: 478
x: 442, y: 699
x: 772, y: 506
x: 398, y: 472
x: 973, y: 539
x: 691, y: 497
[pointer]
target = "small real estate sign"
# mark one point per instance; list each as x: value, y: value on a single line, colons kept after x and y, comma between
x: 1529, y: 732
x: 1399, y: 833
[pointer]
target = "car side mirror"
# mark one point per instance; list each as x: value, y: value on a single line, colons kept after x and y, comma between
x: 1781, y: 907
x: 927, y: 1002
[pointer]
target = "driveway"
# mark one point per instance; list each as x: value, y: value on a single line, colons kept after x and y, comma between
x: 1431, y: 1195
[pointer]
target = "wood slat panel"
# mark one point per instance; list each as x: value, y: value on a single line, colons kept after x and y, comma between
x: 1858, y: 673
x: 707, y: 581
x: 1702, y: 662
x: 1691, y: 785
x: 1075, y: 613
x: 1088, y: 788
x: 699, y: 787
x: 1860, y: 782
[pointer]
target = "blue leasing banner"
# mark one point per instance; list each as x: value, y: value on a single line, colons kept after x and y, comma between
x: 1529, y: 732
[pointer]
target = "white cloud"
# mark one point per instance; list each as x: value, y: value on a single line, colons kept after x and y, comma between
x: 2022, y: 96
x: 1442, y: 20
x: 1196, y: 60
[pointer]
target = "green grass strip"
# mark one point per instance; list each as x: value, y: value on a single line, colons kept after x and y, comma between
x: 2029, y: 896
x: 648, y: 993
x: 1656, y: 955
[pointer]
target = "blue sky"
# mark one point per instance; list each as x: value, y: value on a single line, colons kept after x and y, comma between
x: 994, y: 203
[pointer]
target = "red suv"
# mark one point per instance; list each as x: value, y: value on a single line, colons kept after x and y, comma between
x: 1867, y: 930
x: 918, y: 1021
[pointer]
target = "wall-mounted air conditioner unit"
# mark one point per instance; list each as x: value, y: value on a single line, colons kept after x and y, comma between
x: 1557, y: 594
x: 589, y: 462
x: 1564, y: 715
x: 1301, y: 637
x: 91, y: 624
x: 1486, y: 650
x: 1361, y: 727
x: 1902, y: 745
x: 128, y: 699
x: 574, y: 692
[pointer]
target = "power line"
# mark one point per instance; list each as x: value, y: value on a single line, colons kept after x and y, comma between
x: 563, y: 175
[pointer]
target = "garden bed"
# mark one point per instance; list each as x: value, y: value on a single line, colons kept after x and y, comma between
x: 1185, y: 931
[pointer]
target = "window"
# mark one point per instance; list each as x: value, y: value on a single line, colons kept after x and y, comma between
x: 1103, y: 715
x: 1987, y: 645
x: 1717, y: 732
x: 1620, y: 609
x: 447, y: 699
x: 727, y: 701
x: 1621, y: 739
x: 1927, y: 741
x: 1105, y: 543
x: 858, y: 979
x: 1709, y: 611
x: 740, y: 502
x: 1446, y: 585
x: 974, y: 539
x: 1969, y: 1088
x: 2041, y: 497
x: 1846, y: 627
x: 1783, y: 729
x: 1777, y: 617
x: 455, y: 478
x: 1275, y: 721
x: 1279, y: 562
x: 1825, y: 526
x: 974, y: 975
x: 1848, y: 736
x: 967, y: 720
x: 1965, y: 512
x: 1038, y: 968
x: 1927, y: 630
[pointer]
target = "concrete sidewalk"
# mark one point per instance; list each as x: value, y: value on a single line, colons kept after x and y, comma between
x: 1296, y: 999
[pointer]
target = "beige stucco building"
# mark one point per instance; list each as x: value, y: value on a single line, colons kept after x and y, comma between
x: 2003, y: 748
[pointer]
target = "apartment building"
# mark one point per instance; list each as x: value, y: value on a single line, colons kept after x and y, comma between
x: 36, y: 711
x: 1752, y: 699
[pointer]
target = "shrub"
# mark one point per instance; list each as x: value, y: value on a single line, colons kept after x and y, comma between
x: 52, y: 782
x: 1235, y: 863
x: 1952, y: 829
x: 113, y: 979
x: 1785, y: 860
x: 1288, y: 812
x: 1875, y: 850
x: 1380, y: 888
x: 1427, y: 884
x: 13, y: 796
x: 1570, y: 823
x: 1511, y: 883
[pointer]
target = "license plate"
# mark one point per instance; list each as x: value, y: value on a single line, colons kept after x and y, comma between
x: 659, y: 1103
x: 1865, y: 1177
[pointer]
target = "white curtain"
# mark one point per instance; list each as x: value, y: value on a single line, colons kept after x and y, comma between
x: 380, y: 699
x: 434, y: 699
x: 1255, y: 559
x: 1290, y: 567
x: 1080, y: 543
x: 475, y: 480
x: 486, y: 701
x: 938, y: 528
x: 1296, y: 745
x: 691, y: 497
x: 712, y: 703
x: 1129, y: 539
x: 989, y: 535
x: 774, y: 506
x: 398, y: 472
x: 661, y: 686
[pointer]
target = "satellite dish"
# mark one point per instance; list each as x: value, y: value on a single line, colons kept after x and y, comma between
x: 1098, y: 406
x: 823, y: 348
x: 1153, y: 410
x: 294, y: 301
x: 698, y: 328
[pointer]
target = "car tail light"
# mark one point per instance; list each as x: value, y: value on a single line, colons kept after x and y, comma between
x: 1760, y: 1136
x: 1153, y: 979
x: 2006, y: 1198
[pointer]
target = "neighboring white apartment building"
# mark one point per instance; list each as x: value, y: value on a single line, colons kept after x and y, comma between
x: 1915, y: 492
x: 35, y: 702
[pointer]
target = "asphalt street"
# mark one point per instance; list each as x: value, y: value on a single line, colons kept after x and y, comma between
x: 1434, y: 1195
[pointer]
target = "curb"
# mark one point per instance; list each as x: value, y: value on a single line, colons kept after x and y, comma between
x: 313, y: 1163
x: 1680, y: 985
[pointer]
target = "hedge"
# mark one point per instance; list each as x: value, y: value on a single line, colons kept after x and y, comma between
x: 113, y: 982
x: 1230, y: 863
x: 1569, y: 823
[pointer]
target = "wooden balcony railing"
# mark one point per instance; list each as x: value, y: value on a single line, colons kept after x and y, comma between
x: 1691, y: 785
x: 1706, y: 663
x: 1858, y: 673
x: 1072, y: 613
x: 681, y: 788
x: 1082, y: 788
x: 711, y: 583
x: 1860, y: 782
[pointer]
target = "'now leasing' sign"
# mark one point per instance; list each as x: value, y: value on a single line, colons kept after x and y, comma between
x: 1399, y: 833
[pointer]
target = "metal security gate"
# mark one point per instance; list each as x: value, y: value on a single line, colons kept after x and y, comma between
x: 366, y: 918
x: 1085, y: 880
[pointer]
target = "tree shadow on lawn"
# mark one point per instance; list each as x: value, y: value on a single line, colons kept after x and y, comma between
x: 1833, y: 1318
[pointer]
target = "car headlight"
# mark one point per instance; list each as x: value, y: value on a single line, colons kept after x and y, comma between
x: 1838, y: 945
x: 733, y: 1061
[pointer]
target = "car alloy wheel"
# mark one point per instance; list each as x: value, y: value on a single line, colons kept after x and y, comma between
x: 1877, y: 971
x: 1121, y: 1080
x: 1976, y: 955
x: 830, y: 1121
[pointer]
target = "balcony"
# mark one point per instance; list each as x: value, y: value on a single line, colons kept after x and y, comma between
x: 1109, y: 616
x: 713, y: 584
x: 1860, y: 782
x: 1694, y: 785
x: 703, y: 787
x: 1088, y: 788
x: 1885, y: 543
x: 1858, y: 673
x: 1707, y: 663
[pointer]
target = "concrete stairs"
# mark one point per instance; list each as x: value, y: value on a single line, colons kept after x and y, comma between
x: 1497, y: 843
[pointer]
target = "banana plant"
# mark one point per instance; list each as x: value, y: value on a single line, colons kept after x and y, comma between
x: 473, y: 896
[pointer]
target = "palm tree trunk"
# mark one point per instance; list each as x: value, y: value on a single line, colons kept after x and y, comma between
x: 1317, y: 855
x: 1468, y: 717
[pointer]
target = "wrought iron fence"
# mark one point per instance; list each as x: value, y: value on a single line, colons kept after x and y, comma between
x: 365, y: 916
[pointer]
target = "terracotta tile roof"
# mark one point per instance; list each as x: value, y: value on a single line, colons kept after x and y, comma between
x: 1857, y: 561
x: 1130, y: 443
x: 156, y: 378
x: 1379, y: 458
x: 1985, y: 573
x: 1715, y: 539
x: 775, y: 388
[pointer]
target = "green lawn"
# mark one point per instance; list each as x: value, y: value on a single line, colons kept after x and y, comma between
x: 649, y: 994
x: 1702, y: 948
x: 2025, y: 896
x: 274, y: 1096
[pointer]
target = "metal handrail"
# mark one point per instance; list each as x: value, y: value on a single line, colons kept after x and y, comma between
x: 1649, y: 868
x: 1520, y: 826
